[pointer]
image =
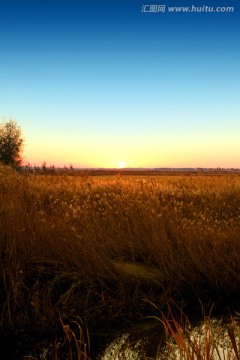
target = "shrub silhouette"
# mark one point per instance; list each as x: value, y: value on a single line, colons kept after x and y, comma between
x: 11, y: 143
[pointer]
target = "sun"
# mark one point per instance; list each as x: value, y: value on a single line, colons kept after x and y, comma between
x: 121, y: 164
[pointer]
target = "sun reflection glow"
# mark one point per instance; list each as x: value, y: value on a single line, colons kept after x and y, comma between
x: 121, y: 164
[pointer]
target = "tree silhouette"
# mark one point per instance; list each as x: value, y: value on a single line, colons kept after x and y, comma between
x: 11, y: 143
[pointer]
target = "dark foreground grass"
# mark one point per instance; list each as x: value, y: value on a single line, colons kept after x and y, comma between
x: 101, y: 250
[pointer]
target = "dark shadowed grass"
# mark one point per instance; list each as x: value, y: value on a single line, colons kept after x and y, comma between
x: 95, y: 248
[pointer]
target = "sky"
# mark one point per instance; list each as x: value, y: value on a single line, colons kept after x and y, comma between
x: 113, y: 83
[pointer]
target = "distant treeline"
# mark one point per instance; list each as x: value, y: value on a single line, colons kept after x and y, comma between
x: 47, y: 170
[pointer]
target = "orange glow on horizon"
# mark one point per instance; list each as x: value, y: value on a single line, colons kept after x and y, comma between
x: 91, y: 151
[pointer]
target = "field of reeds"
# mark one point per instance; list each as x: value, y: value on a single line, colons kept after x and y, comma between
x: 101, y: 250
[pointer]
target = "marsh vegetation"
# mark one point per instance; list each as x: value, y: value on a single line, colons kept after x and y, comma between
x: 99, y: 251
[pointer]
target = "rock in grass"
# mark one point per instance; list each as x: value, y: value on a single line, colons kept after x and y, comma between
x: 142, y: 273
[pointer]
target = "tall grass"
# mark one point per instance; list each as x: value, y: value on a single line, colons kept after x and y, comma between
x: 211, y: 340
x: 94, y: 248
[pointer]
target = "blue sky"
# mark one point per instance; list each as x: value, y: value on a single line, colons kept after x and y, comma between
x: 93, y: 83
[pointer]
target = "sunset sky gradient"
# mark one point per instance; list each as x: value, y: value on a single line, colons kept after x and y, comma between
x: 93, y: 83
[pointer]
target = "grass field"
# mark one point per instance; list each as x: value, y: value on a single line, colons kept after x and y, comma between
x: 102, y: 249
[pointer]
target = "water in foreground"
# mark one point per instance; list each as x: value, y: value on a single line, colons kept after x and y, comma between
x: 209, y: 339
